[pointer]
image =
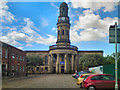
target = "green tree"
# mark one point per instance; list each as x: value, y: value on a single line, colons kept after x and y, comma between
x: 91, y: 60
x: 110, y: 59
x: 34, y: 60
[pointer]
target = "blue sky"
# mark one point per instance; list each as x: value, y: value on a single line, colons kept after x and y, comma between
x: 32, y: 25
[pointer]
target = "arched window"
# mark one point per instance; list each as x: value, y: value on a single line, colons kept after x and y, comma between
x: 58, y: 32
x: 62, y: 32
x: 46, y: 60
x: 67, y: 33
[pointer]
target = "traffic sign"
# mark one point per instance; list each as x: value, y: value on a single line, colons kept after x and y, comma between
x: 112, y: 34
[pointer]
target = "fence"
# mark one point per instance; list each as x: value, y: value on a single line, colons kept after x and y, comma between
x: 110, y: 69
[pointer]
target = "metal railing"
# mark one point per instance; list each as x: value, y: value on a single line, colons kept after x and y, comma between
x: 63, y: 47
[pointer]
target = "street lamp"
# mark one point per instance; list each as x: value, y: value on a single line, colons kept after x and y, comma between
x: 116, y: 81
x: 115, y: 38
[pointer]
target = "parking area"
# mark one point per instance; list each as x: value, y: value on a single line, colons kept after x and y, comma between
x: 43, y: 81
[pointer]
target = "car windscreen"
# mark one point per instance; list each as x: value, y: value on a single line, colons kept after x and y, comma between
x: 86, y: 77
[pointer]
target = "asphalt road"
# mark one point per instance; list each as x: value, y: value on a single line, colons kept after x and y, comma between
x: 50, y: 81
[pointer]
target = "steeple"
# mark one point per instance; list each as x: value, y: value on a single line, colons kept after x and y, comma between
x: 63, y: 26
x: 63, y: 9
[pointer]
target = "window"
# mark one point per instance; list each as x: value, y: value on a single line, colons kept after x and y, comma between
x: 54, y: 60
x: 16, y: 68
x: 6, y: 53
x: 46, y: 60
x: 12, y: 67
x: 13, y: 55
x: 106, y: 77
x: 62, y: 58
x: 46, y: 68
x: 23, y: 69
x: 62, y: 32
x: 21, y: 58
x: 20, y: 68
x: 67, y: 33
x: 85, y: 76
x: 96, y: 78
x: 58, y: 32
x: 37, y: 68
x: 62, y: 11
x: 17, y: 56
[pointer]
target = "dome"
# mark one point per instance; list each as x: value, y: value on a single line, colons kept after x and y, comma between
x: 63, y: 5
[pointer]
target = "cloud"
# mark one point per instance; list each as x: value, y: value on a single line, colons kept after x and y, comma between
x: 26, y: 34
x: 50, y: 40
x: 29, y: 45
x: 93, y: 5
x: 44, y: 22
x: 5, y: 15
x: 91, y: 27
x: 13, y: 38
x: 28, y: 28
x: 52, y: 4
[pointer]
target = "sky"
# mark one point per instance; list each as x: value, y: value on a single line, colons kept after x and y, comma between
x: 32, y: 25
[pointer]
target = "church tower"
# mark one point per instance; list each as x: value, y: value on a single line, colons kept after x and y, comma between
x: 63, y: 26
x: 62, y: 57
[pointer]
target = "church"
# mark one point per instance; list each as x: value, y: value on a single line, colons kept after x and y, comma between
x: 62, y: 57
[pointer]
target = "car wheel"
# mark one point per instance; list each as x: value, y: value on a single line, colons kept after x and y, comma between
x: 91, y: 88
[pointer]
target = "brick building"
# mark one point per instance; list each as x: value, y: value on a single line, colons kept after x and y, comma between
x: 13, y: 60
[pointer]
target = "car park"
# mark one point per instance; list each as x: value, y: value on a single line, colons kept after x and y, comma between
x: 100, y: 81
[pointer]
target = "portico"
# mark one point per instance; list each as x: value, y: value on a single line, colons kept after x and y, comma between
x: 64, y: 61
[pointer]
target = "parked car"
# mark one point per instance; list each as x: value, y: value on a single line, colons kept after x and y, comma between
x: 100, y: 81
x: 81, y: 78
x: 74, y: 75
x: 82, y: 72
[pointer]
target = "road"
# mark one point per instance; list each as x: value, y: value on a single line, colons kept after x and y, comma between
x: 43, y: 81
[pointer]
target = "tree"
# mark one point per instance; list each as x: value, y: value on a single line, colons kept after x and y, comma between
x: 91, y: 60
x: 34, y: 61
x: 110, y: 59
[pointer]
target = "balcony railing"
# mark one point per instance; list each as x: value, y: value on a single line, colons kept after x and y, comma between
x: 63, y: 47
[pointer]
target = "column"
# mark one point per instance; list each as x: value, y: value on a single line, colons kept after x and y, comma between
x: 65, y: 68
x: 51, y: 63
x: 72, y: 63
x: 76, y: 64
x: 57, y: 64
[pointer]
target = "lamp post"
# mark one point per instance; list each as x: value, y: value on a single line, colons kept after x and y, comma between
x: 116, y: 80
x: 114, y: 37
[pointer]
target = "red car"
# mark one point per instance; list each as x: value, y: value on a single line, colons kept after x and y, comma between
x: 100, y: 81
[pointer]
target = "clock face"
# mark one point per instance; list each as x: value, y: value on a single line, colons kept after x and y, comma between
x: 63, y: 18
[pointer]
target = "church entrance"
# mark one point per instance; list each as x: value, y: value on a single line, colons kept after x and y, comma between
x: 62, y: 69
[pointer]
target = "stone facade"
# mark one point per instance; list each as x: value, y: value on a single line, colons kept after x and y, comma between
x: 62, y: 57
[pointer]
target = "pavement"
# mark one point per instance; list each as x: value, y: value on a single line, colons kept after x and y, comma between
x: 20, y: 77
x: 42, y: 81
